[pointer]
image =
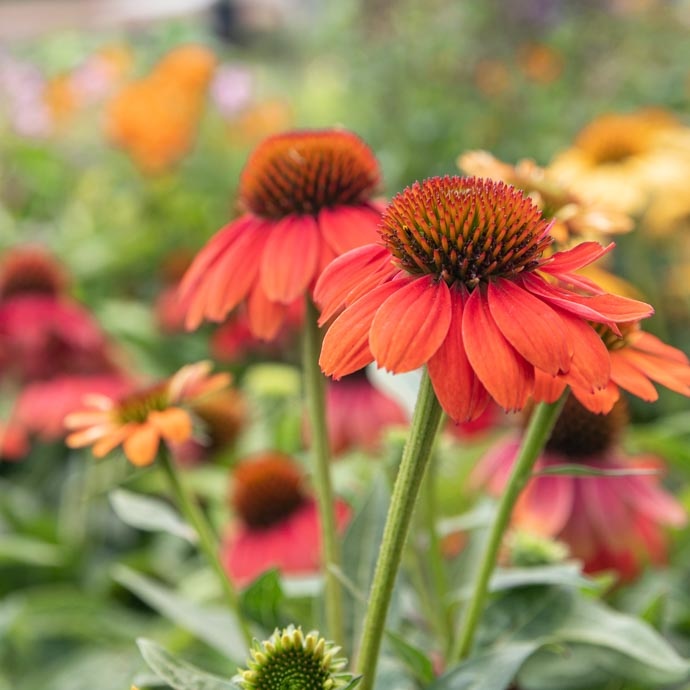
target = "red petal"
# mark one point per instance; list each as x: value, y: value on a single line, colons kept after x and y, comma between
x: 650, y: 343
x: 579, y: 256
x: 290, y: 258
x: 601, y: 308
x: 590, y: 367
x: 411, y: 325
x: 457, y: 387
x: 674, y: 376
x: 547, y: 388
x: 265, y: 317
x: 532, y: 327
x: 346, y: 344
x: 629, y: 377
x: 506, y: 375
x: 545, y: 504
x: 348, y: 227
x: 350, y: 276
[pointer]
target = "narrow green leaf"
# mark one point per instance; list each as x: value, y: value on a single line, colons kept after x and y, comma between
x: 18, y: 549
x: 179, y: 674
x: 217, y: 627
x: 574, y: 470
x: 149, y: 514
x: 414, y: 659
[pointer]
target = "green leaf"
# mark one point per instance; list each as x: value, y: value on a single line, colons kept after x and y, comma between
x: 361, y: 547
x: 414, y: 659
x: 179, y: 674
x: 150, y: 514
x: 262, y: 600
x: 588, y: 471
x: 493, y: 670
x: 18, y: 549
x: 218, y: 628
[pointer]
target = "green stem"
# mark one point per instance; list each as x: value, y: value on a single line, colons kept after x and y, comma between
x: 425, y: 425
x: 314, y: 387
x: 537, y: 434
x: 207, y: 539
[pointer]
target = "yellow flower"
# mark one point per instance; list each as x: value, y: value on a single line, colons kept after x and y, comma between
x: 573, y: 215
x: 141, y: 420
x: 623, y: 160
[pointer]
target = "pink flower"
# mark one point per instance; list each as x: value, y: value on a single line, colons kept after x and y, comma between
x: 277, y: 522
x: 609, y: 522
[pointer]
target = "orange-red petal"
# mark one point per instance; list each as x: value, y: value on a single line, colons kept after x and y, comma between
x: 411, y: 324
x: 532, y: 327
x: 265, y: 317
x: 173, y: 424
x: 590, y: 367
x: 629, y: 377
x: 347, y: 227
x: 457, y: 387
x: 579, y: 256
x: 674, y: 376
x: 346, y: 344
x: 651, y: 344
x: 290, y: 258
x: 350, y: 276
x: 141, y: 445
x: 506, y: 374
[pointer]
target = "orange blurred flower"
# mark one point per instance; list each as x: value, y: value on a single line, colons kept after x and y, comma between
x: 141, y: 420
x: 260, y: 121
x: 155, y: 118
x: 540, y: 62
x: 492, y: 77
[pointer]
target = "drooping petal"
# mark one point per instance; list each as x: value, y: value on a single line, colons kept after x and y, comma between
x: 457, y: 387
x: 85, y: 437
x: 75, y: 420
x: 533, y: 328
x: 350, y: 276
x: 608, y: 309
x: 173, y: 424
x: 348, y: 227
x: 141, y: 445
x: 411, y: 325
x: 545, y: 505
x: 345, y: 346
x: 674, y: 376
x: 600, y: 401
x: 631, y: 378
x: 655, y: 503
x: 290, y: 258
x: 547, y: 388
x: 579, y: 256
x: 265, y: 317
x: 606, y: 510
x: 112, y: 440
x: 651, y: 344
x: 506, y: 375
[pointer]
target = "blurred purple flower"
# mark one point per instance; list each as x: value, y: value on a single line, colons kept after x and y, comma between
x: 232, y: 89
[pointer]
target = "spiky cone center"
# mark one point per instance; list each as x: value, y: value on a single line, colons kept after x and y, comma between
x: 136, y: 407
x: 267, y: 489
x: 304, y: 172
x: 30, y: 271
x: 612, y: 340
x: 290, y: 660
x: 464, y: 230
x: 579, y: 433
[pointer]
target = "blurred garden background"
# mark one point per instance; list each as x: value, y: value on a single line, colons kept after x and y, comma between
x: 123, y: 132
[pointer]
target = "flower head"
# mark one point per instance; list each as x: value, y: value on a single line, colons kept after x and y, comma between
x: 289, y: 660
x: 140, y: 420
x: 610, y: 522
x: 277, y: 520
x: 31, y: 270
x: 462, y: 284
x: 307, y: 199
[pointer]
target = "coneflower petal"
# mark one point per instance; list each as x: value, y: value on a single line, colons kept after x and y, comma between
x: 347, y: 227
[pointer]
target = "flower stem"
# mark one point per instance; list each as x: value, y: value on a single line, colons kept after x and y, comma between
x: 207, y: 540
x: 314, y: 387
x: 425, y: 424
x: 537, y: 434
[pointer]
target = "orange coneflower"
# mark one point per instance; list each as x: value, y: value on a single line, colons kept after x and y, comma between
x: 140, y: 420
x: 610, y: 522
x: 307, y: 199
x: 637, y: 359
x: 278, y: 524
x: 461, y: 284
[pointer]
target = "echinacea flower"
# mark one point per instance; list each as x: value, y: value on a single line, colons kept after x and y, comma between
x: 307, y: 199
x: 575, y: 217
x: 623, y: 160
x: 637, y: 360
x: 142, y: 419
x: 462, y: 285
x: 291, y: 659
x: 610, y: 522
x: 278, y: 524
